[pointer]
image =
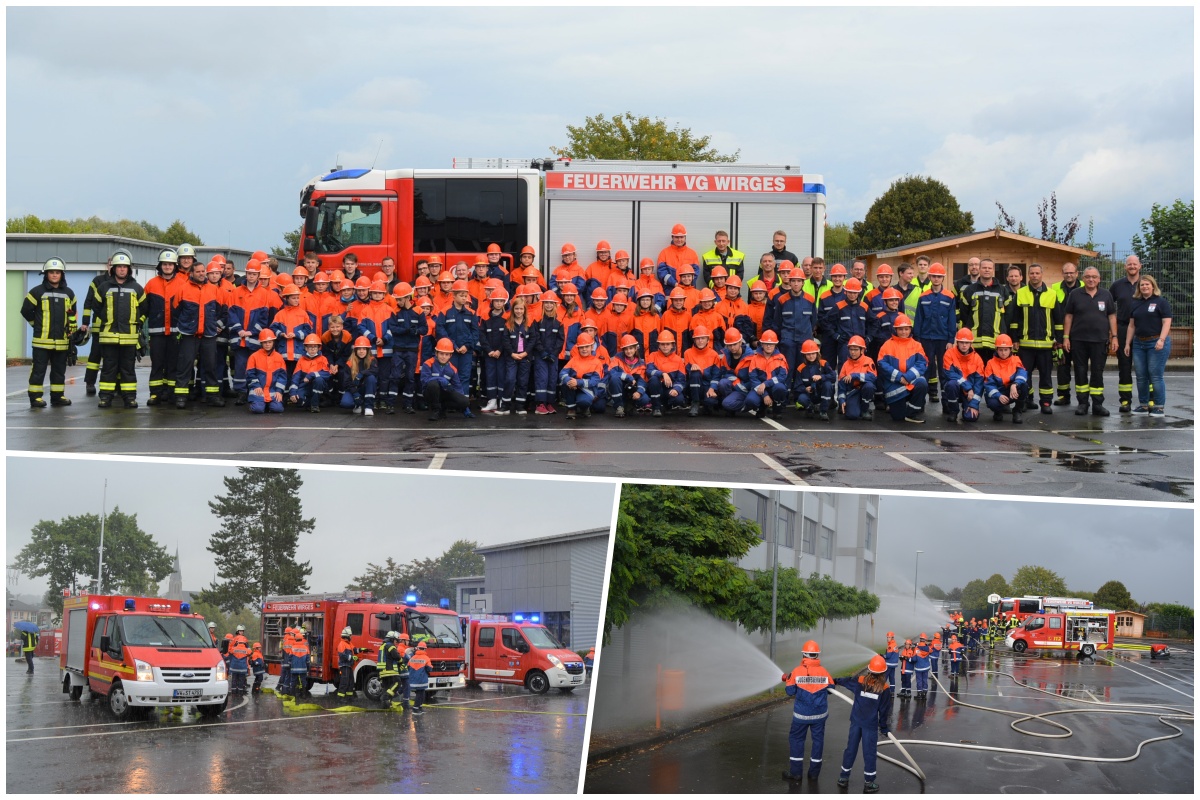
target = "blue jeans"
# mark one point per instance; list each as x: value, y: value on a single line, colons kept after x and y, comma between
x: 1148, y: 367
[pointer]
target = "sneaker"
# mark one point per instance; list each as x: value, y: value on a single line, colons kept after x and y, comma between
x: 824, y: 416
x: 843, y: 782
x: 550, y: 409
x: 868, y: 415
x: 368, y: 412
x: 657, y: 412
x: 570, y: 413
x: 358, y: 409
x: 490, y: 408
x: 1157, y: 411
x: 620, y: 412
x: 1142, y: 410
x: 915, y: 420
x: 502, y: 411
x: 521, y: 411
x: 541, y: 409
x: 870, y: 788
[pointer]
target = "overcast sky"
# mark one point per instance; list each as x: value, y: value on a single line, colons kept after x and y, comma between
x: 360, y: 517
x: 1149, y: 549
x: 219, y: 116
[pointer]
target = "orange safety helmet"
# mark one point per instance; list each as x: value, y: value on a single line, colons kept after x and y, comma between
x: 700, y: 331
x: 902, y: 321
x: 599, y: 294
x: 568, y: 248
x: 568, y: 290
x: 363, y: 282
x: 667, y: 336
x: 884, y: 269
x: 215, y: 266
x: 678, y: 230
x: 299, y: 270
x: 768, y: 337
x: 337, y: 275
x: 444, y: 345
x: 435, y: 259
x: 528, y: 249
x: 422, y: 282
x: 312, y: 338
x: 402, y: 289
x: 678, y: 294
x: 857, y: 341
x: 686, y: 269
x: 266, y: 335
x: 549, y: 297
x: 320, y: 277
x: 707, y: 296
x: 838, y: 269
x: 379, y: 286
x: 585, y: 340
x: 892, y: 294
x: 588, y: 322
x: 733, y: 336
x: 809, y: 346
x: 500, y: 295
x: 620, y: 299
x: 644, y: 263
x: 283, y: 279
x: 964, y: 335
x: 446, y: 277
x: 362, y: 341
x: 603, y: 245
x: 493, y: 248
x: 1004, y: 340
x: 718, y: 272
x: 784, y: 264
x: 853, y: 285
x: 291, y: 290
x: 936, y: 268
x: 628, y: 341
x: 811, y: 648
x: 733, y: 281
x: 620, y: 254
x: 877, y: 665
x: 460, y: 286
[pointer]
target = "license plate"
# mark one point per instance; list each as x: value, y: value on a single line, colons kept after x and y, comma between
x: 186, y: 694
x: 578, y: 679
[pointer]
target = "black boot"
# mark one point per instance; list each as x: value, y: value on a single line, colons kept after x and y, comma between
x: 57, y: 399
x: 105, y: 401
x: 1082, y: 410
x: 694, y: 411
x: 36, y: 401
x: 1098, y: 409
x: 1063, y: 400
x: 90, y: 389
x: 131, y: 401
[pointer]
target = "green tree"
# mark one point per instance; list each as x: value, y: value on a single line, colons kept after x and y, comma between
x: 66, y: 552
x: 1170, y: 610
x: 228, y: 622
x: 1168, y: 228
x: 974, y: 598
x: 1047, y: 212
x: 797, y: 608
x: 1166, y: 249
x: 175, y: 234
x: 933, y: 592
x: 430, y: 577
x: 955, y: 595
x: 839, y: 601
x: 913, y: 209
x: 291, y: 248
x: 255, y: 549
x: 837, y: 237
x: 629, y: 138
x: 178, y: 233
x: 677, y: 542
x: 1033, y: 579
x: 996, y: 584
x: 1114, y: 595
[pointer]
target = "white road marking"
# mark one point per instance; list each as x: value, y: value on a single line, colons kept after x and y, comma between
x: 1049, y: 451
x: 962, y: 487
x: 1147, y: 677
x: 775, y: 424
x: 160, y: 729
x: 781, y: 469
x: 438, y: 461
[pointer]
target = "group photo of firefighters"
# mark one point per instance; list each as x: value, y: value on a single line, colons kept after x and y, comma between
x: 683, y: 333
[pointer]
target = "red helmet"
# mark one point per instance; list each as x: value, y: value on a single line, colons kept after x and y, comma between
x: 701, y: 331
x: 884, y: 269
x: 877, y: 665
x: 215, y: 266
x: 444, y: 345
x: 837, y: 269
x: 1004, y: 340
x: 568, y: 248
x: 362, y: 341
x: 678, y: 230
x: 964, y: 335
x: 857, y: 341
x: 493, y: 248
x: 460, y: 286
x: 585, y: 340
x: 809, y: 346
x: 768, y: 337
x: 901, y: 321
x: 402, y: 289
x: 733, y: 336
x: 628, y: 341
x: 602, y: 245
x: 312, y: 338
x: 937, y: 269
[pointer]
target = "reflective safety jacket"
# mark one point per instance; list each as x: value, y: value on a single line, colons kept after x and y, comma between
x: 630, y: 373
x: 613, y: 326
x: 847, y: 319
x: 50, y: 311
x: 870, y: 709
x: 670, y: 259
x: 936, y: 315
x: 590, y: 371
x: 258, y: 664
x: 706, y: 361
x: 596, y: 276
x: 296, y: 321
x: 750, y: 321
x: 1031, y: 318
x: 389, y: 659
x: 406, y: 328
x: 901, y: 361
x: 1000, y: 373
x: 920, y: 659
x: 712, y: 320
x: 345, y: 654
x: 444, y: 374
x: 568, y: 273
x: 418, y: 669
x: 460, y: 326
x: 160, y: 292
x: 300, y: 654
x: 266, y: 371
x: 809, y: 683
x: 374, y: 325
x: 736, y: 368
x: 732, y: 260
x: 493, y: 335
x: 648, y: 284
x: 966, y: 371
x: 680, y: 324
x: 198, y: 310
x: 309, y: 369
x: 791, y: 316
x: 983, y: 312
x: 771, y: 370
x: 658, y: 365
x: 854, y: 373
x: 892, y: 658
x: 827, y: 317
x: 645, y: 330
x: 118, y: 310
x: 239, y: 656
x: 807, y: 375
x: 251, y: 310
x: 336, y: 351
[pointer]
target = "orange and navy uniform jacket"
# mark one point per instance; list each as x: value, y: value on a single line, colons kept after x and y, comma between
x: 713, y: 320
x: 679, y: 323
x: 645, y: 330
x: 750, y: 322
x: 966, y: 371
x: 732, y: 309
x: 588, y: 370
x: 266, y: 371
x: 635, y: 369
x: 613, y: 326
x: 955, y: 647
x: 572, y: 321
x: 296, y: 321
x: 937, y: 315
x: 306, y: 367
x: 564, y: 273
x: 615, y: 279
x: 419, y: 666
x: 907, y: 653
x: 444, y: 374
x: 827, y: 316
x: 807, y: 371
x: 658, y: 364
x: 771, y: 370
x: 735, y: 369
x: 648, y: 284
x: 597, y: 274
x: 854, y: 373
x: 848, y: 319
x: 707, y: 362
x: 901, y: 361
x: 373, y: 324
x: 476, y: 287
x: 791, y: 316
x: 809, y: 683
x: 892, y: 658
x: 670, y: 259
x: 345, y: 654
x: 692, y: 296
x: 1000, y: 373
x: 336, y: 351
x: 159, y: 294
x: 197, y: 310
x: 251, y: 311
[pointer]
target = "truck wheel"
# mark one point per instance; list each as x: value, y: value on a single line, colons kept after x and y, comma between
x: 1088, y: 650
x: 1019, y: 645
x: 566, y: 689
x: 371, y: 685
x: 76, y: 693
x: 537, y: 682
x: 212, y: 709
x: 118, y: 702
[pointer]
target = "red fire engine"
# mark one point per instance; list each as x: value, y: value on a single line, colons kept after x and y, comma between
x: 1028, y: 605
x: 324, y: 616
x: 520, y: 652
x: 1082, y: 631
x: 411, y: 214
x: 140, y: 653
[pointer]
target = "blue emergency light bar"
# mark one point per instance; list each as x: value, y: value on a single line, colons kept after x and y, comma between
x: 518, y: 617
x: 130, y: 605
x: 185, y: 608
x: 535, y: 618
x: 410, y: 599
x: 444, y: 602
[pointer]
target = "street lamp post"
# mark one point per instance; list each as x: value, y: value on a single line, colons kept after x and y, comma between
x: 774, y: 566
x: 916, y: 580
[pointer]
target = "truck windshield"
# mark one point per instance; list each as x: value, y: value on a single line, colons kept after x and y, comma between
x: 147, y: 630
x: 342, y: 224
x: 443, y: 627
x: 541, y: 638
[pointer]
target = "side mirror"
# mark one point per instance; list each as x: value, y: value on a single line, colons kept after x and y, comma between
x: 310, y: 244
x: 383, y: 615
x: 310, y: 221
x: 104, y: 642
x: 522, y: 647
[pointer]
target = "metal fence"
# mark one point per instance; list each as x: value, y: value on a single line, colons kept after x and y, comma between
x: 1175, y: 271
x: 1170, y: 627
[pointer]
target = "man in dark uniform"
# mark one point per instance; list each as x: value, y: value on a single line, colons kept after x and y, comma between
x: 1090, y: 335
x: 779, y: 248
x: 1068, y: 284
x: 49, y: 308
x: 1122, y: 291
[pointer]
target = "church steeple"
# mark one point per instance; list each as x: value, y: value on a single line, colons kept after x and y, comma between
x: 175, y: 581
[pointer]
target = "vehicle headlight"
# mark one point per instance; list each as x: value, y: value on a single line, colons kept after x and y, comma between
x: 554, y: 660
x: 221, y: 674
x: 144, y: 671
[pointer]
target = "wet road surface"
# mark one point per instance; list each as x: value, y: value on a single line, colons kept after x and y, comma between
x: 1130, y: 456
x: 749, y: 754
x: 483, y: 740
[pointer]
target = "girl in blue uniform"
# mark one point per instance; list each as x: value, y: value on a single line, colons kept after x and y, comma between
x: 868, y: 719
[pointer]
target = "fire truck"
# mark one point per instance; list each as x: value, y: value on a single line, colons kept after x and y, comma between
x: 412, y: 214
x: 1035, y: 604
x: 324, y: 616
x: 140, y: 653
x: 1082, y: 631
x: 520, y: 652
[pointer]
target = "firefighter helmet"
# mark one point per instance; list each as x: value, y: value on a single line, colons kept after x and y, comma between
x: 421, y: 645
x: 769, y: 337
x: 733, y: 336
x: 312, y: 338
x: 549, y: 297
x: 892, y: 294
x: 379, y: 286
x: 283, y: 279
x: 678, y: 294
x: 937, y: 269
x: 877, y: 665
x: 599, y: 294
x: 528, y: 250
x: 481, y: 260
x: 460, y: 286
x: 667, y: 336
x: 493, y: 248
x: 838, y: 269
x: 240, y: 629
x: 298, y: 272
x: 858, y: 341
x: 444, y: 345
x: 628, y: 341
x: 347, y: 633
x: 214, y: 266
x: 402, y: 636
x: 701, y: 332
x: 291, y: 290
x: 568, y: 249
x: 964, y: 335
x: 363, y: 282
x: 891, y: 635
x: 402, y: 289
x: 168, y: 257
x: 809, y: 346
x: 902, y: 321
x: 784, y: 265
x: 256, y: 646
x: 645, y: 263
x: 620, y: 299
x: 811, y: 649
x: 853, y: 285
x: 678, y: 230
x: 253, y: 265
x: 500, y: 295
x: 707, y: 296
x: 54, y: 265
x: 585, y: 340
x: 718, y: 272
x: 212, y: 624
x: 603, y: 245
x: 266, y: 335
x: 186, y: 249
x: 1004, y: 340
x: 422, y: 282
x: 686, y: 269
x: 587, y: 323
x: 884, y: 269
x: 621, y: 254
x: 121, y: 260
x: 733, y: 281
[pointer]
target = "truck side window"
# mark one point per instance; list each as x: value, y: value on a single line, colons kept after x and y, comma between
x: 487, y: 637
x: 1055, y: 623
x: 99, y: 631
x: 1035, y: 624
x: 354, y: 623
x: 511, y: 638
x: 1029, y: 606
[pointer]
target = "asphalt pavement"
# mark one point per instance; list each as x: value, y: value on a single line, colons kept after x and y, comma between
x: 961, y: 749
x: 492, y: 739
x: 1124, y: 456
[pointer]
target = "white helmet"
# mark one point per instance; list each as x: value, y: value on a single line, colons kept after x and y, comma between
x: 392, y: 635
x: 347, y: 632
x: 241, y: 629
x: 54, y: 264
x: 212, y: 624
x: 169, y: 256
x: 120, y: 259
x: 186, y: 249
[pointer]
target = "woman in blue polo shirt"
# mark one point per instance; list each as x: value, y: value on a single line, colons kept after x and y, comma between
x: 1148, y: 342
